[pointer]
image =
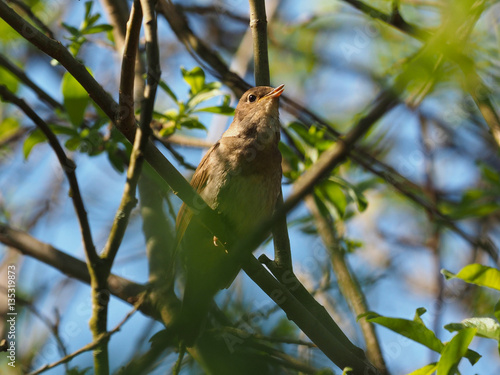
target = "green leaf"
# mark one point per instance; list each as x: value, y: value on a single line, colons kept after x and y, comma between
x: 486, y: 327
x: 90, y: 21
x: 477, y: 274
x: 59, y: 129
x: 195, y: 78
x: 8, y: 127
x: 88, y: 9
x: 202, y: 97
x: 192, y: 123
x: 72, y: 144
x: 76, y: 99
x: 163, y: 85
x: 97, y: 29
x: 335, y: 195
x: 115, y: 160
x: 302, y: 132
x: 426, y: 370
x: 167, y: 130
x: 414, y: 330
x: 33, y: 139
x: 355, y: 194
x: 72, y: 30
x: 222, y: 110
x: 454, y: 351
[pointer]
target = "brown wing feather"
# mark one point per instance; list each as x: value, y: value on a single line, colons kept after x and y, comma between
x: 198, y: 182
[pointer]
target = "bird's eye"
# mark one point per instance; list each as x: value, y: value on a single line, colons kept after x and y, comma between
x: 252, y: 98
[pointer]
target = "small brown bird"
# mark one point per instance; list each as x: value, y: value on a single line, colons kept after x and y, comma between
x: 239, y: 178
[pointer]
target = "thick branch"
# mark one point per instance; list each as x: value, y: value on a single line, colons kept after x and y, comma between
x: 258, y: 25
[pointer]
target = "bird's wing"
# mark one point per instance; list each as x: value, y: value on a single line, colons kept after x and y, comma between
x: 198, y: 182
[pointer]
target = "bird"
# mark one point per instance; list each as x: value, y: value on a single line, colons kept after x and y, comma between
x: 240, y: 179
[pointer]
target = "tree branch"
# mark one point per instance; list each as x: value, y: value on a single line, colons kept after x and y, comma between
x: 28, y: 82
x: 347, y: 283
x: 258, y: 25
x: 37, y: 21
x: 93, y: 345
x: 126, y: 290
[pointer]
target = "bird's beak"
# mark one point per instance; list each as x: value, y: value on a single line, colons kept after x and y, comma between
x: 274, y: 93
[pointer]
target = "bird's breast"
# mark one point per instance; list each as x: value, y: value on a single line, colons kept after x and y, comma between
x: 245, y: 182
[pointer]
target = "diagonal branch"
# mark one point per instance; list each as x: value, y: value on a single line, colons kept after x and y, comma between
x: 37, y: 21
x: 28, y: 82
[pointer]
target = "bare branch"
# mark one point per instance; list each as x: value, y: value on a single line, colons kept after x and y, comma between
x: 93, y: 345
x: 28, y: 82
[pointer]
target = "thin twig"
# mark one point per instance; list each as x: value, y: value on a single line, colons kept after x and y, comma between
x: 126, y: 116
x: 258, y: 25
x: 93, y: 345
x: 178, y: 364
x: 28, y: 82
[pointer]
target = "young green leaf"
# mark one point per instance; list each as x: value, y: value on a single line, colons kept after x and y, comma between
x: 426, y: 370
x: 75, y: 97
x: 486, y: 327
x: 221, y: 110
x: 414, y: 330
x: 97, y: 29
x: 202, y: 96
x: 163, y: 85
x: 72, y: 30
x: 477, y: 274
x: 195, y: 78
x: 192, y: 123
x: 355, y: 194
x: 334, y: 195
x: 72, y: 144
x: 454, y: 351
x: 33, y: 139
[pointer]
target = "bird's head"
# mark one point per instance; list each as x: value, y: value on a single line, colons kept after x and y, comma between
x: 261, y: 101
x: 257, y: 112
